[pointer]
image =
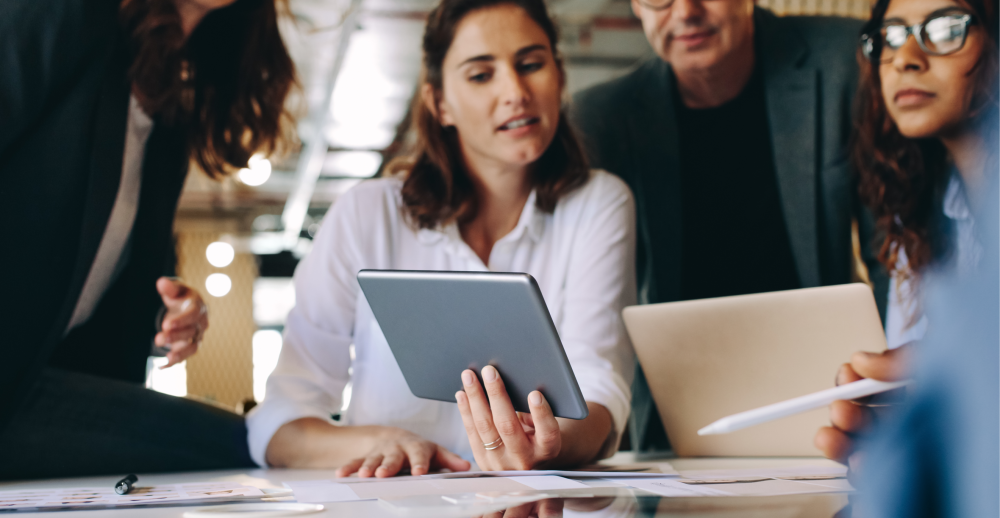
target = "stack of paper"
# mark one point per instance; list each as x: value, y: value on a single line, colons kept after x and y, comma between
x: 86, y: 497
x: 347, y: 490
x: 747, y: 482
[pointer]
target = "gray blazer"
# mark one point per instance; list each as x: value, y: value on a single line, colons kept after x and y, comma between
x: 628, y: 127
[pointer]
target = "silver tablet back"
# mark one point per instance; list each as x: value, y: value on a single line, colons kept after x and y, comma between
x: 441, y: 323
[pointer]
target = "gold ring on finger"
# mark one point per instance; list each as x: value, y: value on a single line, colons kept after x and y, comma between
x: 493, y: 445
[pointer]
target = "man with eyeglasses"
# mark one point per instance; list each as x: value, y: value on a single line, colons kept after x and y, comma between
x: 734, y: 139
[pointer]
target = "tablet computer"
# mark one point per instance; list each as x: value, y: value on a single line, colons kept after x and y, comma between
x: 438, y: 324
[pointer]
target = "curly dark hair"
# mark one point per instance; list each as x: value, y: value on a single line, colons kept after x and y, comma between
x: 226, y: 84
x: 437, y: 189
x: 902, y: 180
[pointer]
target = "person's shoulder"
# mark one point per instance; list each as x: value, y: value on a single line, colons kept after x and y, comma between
x: 371, y: 201
x: 375, y: 190
x: 601, y: 188
x: 613, y: 95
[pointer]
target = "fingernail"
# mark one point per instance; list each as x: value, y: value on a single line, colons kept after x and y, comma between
x: 467, y: 378
x: 458, y: 395
x: 186, y: 304
x: 489, y: 373
x: 535, y: 398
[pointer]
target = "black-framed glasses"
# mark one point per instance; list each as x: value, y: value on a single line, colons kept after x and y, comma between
x: 938, y: 35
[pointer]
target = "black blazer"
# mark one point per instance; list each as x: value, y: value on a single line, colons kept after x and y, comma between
x: 64, y: 97
x: 810, y: 75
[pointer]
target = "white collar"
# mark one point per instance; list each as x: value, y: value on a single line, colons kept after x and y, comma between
x: 956, y: 204
x: 531, y: 221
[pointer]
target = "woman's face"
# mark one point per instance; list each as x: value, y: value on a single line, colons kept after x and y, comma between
x: 927, y: 96
x: 501, y: 88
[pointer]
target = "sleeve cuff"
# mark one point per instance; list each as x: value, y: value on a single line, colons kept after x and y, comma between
x: 265, y: 420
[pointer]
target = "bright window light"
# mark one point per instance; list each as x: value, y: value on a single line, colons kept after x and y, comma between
x: 266, y: 348
x: 218, y: 284
x: 220, y: 254
x: 172, y: 381
x: 257, y: 173
x: 353, y: 164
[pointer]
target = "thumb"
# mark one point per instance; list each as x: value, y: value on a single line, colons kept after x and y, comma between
x: 170, y: 288
x: 888, y: 366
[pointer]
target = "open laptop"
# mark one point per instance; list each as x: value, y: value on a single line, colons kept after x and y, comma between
x: 706, y: 359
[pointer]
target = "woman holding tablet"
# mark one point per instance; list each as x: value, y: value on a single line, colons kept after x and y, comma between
x: 926, y: 153
x: 497, y: 182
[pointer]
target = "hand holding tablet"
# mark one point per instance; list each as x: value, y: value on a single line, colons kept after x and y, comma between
x: 501, y: 438
x: 446, y: 329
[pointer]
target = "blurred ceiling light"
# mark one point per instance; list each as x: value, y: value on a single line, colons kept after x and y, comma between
x: 218, y: 284
x: 359, y: 136
x: 352, y: 164
x: 220, y: 254
x: 267, y: 222
x: 257, y: 173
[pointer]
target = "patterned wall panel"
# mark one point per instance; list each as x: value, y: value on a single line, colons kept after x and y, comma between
x: 222, y: 371
x: 851, y: 8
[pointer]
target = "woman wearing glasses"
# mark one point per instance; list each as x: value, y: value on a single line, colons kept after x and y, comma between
x: 497, y: 182
x: 925, y: 150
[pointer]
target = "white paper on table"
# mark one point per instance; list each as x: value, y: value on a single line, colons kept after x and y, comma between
x: 320, y: 491
x: 750, y: 482
x: 671, y: 487
x: 62, y: 498
x: 666, y: 470
x: 788, y: 473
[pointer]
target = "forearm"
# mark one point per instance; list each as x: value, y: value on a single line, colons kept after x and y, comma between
x: 311, y: 442
x: 582, y: 440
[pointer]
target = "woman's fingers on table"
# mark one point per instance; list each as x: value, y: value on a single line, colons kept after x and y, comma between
x: 418, y: 454
x: 392, y: 462
x: 371, y: 463
x: 350, y: 468
x: 446, y: 459
x: 548, y: 436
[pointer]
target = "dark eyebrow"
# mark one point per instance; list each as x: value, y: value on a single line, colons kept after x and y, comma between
x: 490, y: 57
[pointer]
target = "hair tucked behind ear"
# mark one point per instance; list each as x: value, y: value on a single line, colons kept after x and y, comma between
x: 226, y: 85
x: 437, y: 189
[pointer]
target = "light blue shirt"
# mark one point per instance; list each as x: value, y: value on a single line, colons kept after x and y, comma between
x: 903, y: 323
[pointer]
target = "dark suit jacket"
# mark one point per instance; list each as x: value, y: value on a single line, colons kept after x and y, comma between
x: 64, y: 97
x: 629, y: 128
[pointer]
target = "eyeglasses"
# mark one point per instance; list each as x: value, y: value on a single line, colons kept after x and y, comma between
x: 939, y: 35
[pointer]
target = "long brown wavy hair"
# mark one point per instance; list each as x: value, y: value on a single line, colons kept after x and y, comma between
x: 437, y: 188
x: 903, y: 180
x: 226, y: 84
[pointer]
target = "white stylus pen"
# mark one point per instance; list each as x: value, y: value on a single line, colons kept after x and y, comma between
x: 860, y: 388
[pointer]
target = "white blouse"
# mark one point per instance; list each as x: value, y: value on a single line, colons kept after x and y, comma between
x: 582, y: 256
x: 901, y: 323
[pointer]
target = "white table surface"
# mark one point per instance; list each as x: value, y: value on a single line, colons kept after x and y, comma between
x: 276, y: 477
